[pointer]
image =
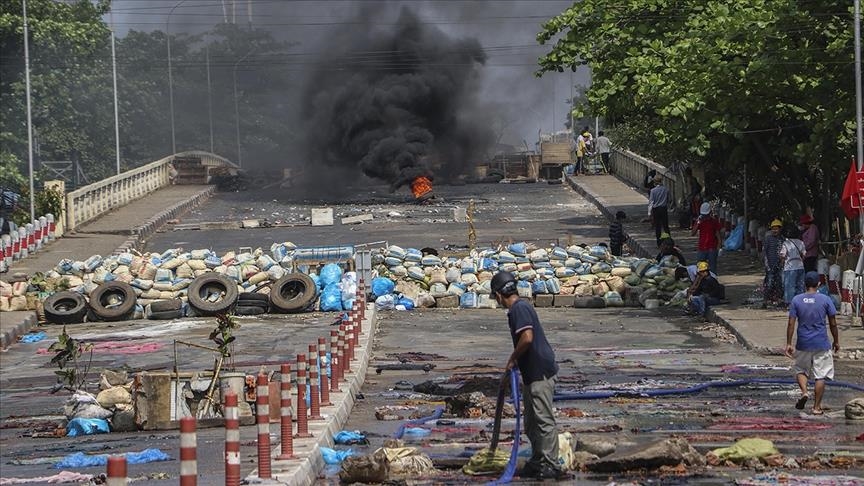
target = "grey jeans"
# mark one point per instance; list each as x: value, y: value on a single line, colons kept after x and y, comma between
x: 540, y: 422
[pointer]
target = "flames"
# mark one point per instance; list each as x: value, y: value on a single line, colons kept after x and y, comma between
x: 421, y: 187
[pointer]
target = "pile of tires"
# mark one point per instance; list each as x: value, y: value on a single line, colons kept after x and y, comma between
x: 110, y: 301
x: 212, y: 294
x: 252, y: 304
x: 292, y: 293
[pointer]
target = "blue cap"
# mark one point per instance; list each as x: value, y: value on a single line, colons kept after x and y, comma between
x: 811, y: 279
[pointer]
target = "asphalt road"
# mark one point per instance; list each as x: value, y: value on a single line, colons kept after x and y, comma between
x: 597, y: 349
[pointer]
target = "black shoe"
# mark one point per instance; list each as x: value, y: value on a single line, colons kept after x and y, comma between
x: 547, y: 472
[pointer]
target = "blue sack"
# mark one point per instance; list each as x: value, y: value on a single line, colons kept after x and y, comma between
x: 518, y: 249
x: 735, y: 241
x: 86, y: 426
x: 330, y: 274
x: 405, y: 302
x: 332, y: 456
x: 79, y: 459
x: 331, y: 298
x: 348, y: 437
x: 382, y: 286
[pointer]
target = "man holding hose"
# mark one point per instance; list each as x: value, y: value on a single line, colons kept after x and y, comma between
x: 536, y: 361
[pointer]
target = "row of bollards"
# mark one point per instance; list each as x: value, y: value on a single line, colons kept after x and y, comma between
x: 342, y: 344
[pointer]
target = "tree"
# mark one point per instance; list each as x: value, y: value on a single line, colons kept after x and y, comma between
x: 723, y: 83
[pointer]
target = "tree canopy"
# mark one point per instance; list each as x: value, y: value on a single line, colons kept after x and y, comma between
x: 721, y: 83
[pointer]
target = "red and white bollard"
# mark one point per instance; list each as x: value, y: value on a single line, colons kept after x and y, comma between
x: 188, y: 452
x: 31, y: 238
x: 355, y: 320
x: 322, y: 373
x: 314, y: 388
x: 116, y: 473
x: 43, y: 224
x: 232, y: 440
x: 22, y: 243
x: 52, y: 226
x: 302, y: 418
x: 286, y: 426
x: 345, y: 357
x: 262, y: 418
x: 334, y: 361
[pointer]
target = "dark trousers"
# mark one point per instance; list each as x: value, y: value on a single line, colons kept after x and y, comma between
x: 661, y: 221
x: 810, y: 264
x: 616, y: 248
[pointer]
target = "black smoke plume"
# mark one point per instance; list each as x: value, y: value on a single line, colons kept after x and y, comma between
x: 395, y: 100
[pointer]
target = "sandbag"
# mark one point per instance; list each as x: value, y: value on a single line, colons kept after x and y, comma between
x: 430, y: 261
x: 453, y: 275
x: 621, y: 271
x: 197, y: 265
x: 613, y: 299
x: 413, y: 255
x: 399, y: 271
x: 438, y: 276
x: 468, y: 279
x: 523, y: 289
x: 184, y: 271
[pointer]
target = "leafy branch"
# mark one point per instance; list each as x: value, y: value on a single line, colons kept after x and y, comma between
x: 222, y: 333
x: 68, y: 352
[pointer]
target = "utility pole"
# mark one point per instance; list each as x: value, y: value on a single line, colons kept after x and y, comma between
x: 29, y: 109
x: 116, y: 107
x: 171, y: 76
x: 859, y: 160
x: 209, y: 99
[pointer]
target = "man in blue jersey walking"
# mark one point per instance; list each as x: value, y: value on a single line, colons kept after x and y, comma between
x: 812, y: 351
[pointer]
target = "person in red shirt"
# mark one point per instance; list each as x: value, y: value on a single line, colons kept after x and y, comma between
x: 708, y: 228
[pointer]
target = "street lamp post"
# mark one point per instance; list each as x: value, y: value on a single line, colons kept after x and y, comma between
x: 29, y: 109
x: 171, y: 76
x: 237, y: 108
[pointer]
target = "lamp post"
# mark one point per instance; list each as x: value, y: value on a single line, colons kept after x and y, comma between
x: 29, y: 109
x: 237, y: 107
x: 116, y: 107
x: 171, y: 76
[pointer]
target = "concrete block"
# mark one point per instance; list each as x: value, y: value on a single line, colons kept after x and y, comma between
x: 250, y: 223
x: 589, y: 302
x: 565, y: 300
x: 544, y: 300
x: 447, y: 302
x: 360, y: 218
x: 322, y: 216
x: 460, y: 215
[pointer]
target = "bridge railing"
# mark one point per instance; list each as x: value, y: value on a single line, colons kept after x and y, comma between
x: 633, y: 168
x: 91, y: 201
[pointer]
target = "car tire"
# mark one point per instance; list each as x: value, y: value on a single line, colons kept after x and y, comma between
x: 203, y: 285
x: 165, y: 315
x: 242, y: 310
x: 586, y: 302
x: 166, y: 305
x: 101, y: 295
x: 293, y: 293
x: 253, y: 297
x: 65, y: 307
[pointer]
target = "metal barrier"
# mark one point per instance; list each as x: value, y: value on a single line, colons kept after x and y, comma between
x: 96, y: 199
x: 633, y: 168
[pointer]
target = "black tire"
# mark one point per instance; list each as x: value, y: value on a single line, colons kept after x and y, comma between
x: 252, y: 297
x: 101, y: 298
x: 201, y: 286
x: 166, y: 305
x: 293, y: 293
x: 586, y: 302
x: 166, y: 315
x: 242, y: 310
x: 65, y: 307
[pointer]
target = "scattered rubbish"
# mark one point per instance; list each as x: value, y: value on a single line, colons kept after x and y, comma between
x: 419, y: 421
x: 854, y: 409
x: 767, y: 423
x: 486, y: 462
x: 372, y: 468
x: 425, y: 367
x: 407, y: 462
x: 416, y: 431
x: 774, y: 478
x: 84, y: 405
x: 669, y: 452
x: 476, y: 405
x: 33, y: 337
x: 360, y: 218
x: 79, y: 459
x: 86, y: 426
x: 59, y: 478
x: 333, y: 456
x: 742, y: 450
x: 348, y: 437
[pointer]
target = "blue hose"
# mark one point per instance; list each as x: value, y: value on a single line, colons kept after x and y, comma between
x: 439, y: 411
x: 692, y: 389
x: 510, y: 470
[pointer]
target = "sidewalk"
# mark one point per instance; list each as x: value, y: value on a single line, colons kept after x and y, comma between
x: 119, y: 230
x: 757, y: 329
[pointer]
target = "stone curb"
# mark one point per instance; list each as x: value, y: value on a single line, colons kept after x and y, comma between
x: 11, y: 336
x: 640, y: 250
x: 149, y: 227
x: 303, y: 471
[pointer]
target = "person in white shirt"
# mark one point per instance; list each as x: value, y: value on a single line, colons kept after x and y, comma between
x: 604, y: 148
x: 792, y: 252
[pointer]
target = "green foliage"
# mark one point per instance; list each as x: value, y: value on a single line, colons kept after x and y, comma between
x: 68, y: 352
x: 722, y: 83
x: 222, y: 334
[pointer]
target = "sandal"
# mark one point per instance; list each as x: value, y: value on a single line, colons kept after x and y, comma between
x: 818, y: 411
x: 801, y: 402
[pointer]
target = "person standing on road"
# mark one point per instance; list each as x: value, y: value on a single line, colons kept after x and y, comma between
x: 604, y: 147
x: 581, y: 151
x: 773, y: 283
x: 792, y: 255
x: 812, y: 351
x: 536, y: 361
x: 810, y: 237
x: 658, y: 203
x: 616, y: 233
x: 708, y: 228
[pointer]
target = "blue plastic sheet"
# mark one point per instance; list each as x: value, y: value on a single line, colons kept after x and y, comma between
x: 349, y: 437
x: 332, y: 456
x: 416, y: 431
x: 735, y: 241
x: 405, y: 302
x: 86, y: 426
x: 382, y: 286
x: 331, y: 274
x: 33, y: 337
x: 79, y: 459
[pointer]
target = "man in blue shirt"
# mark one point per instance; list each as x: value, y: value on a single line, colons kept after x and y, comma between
x: 536, y: 361
x: 812, y: 351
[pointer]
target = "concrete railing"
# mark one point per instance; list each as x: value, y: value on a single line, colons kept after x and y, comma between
x: 633, y: 168
x: 96, y: 199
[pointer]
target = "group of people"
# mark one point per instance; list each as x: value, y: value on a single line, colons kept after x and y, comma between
x: 787, y: 255
x: 585, y: 146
